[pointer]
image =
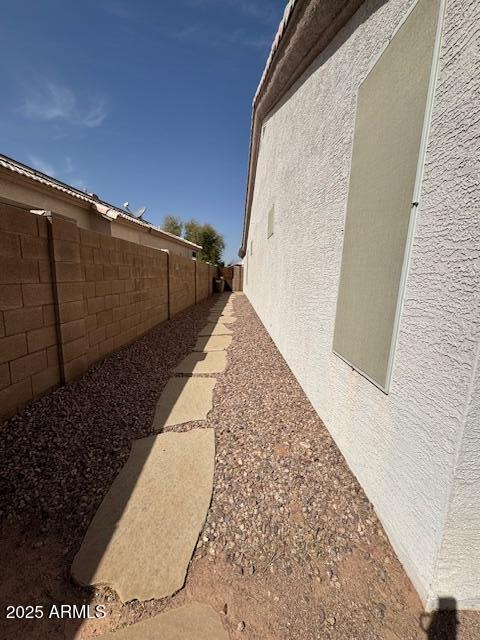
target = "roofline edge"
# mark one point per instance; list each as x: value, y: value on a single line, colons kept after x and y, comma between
x: 294, y: 49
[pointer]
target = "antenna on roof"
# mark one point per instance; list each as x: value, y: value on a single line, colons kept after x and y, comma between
x: 135, y: 214
x: 139, y: 214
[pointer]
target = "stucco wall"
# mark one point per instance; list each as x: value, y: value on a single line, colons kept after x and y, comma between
x: 462, y: 522
x: 140, y: 235
x: 416, y: 450
x: 33, y: 196
x: 19, y: 192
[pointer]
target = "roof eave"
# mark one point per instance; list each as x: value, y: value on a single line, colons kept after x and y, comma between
x: 123, y: 218
x: 306, y: 29
x: 17, y: 171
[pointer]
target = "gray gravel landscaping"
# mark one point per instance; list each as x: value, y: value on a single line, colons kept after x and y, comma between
x: 59, y: 456
x: 294, y: 544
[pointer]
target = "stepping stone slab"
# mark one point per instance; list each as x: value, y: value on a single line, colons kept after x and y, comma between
x: 221, y: 312
x: 184, y: 400
x: 213, y: 343
x: 191, y: 622
x: 225, y: 319
x: 142, y: 537
x: 218, y: 329
x: 221, y: 305
x: 213, y: 362
x: 218, y: 309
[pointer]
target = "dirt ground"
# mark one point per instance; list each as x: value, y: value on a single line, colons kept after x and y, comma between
x: 291, y: 548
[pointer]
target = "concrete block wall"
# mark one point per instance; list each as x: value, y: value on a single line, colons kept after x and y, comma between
x: 212, y: 273
x: 28, y: 336
x: 202, y: 275
x: 68, y: 289
x: 181, y: 283
x: 125, y: 291
x: 233, y: 277
x: 70, y: 296
x: 237, y: 280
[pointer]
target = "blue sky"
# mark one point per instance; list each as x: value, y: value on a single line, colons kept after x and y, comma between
x: 138, y: 100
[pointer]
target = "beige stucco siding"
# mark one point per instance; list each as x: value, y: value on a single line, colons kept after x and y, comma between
x: 27, y: 194
x: 141, y: 235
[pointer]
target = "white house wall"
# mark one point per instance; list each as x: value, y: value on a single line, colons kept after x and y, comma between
x: 413, y: 450
x: 459, y: 556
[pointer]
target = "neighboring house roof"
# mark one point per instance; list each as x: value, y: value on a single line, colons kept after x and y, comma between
x: 101, y: 207
x: 307, y: 27
x: 32, y: 174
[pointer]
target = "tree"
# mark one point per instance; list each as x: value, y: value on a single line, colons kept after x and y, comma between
x: 173, y: 225
x: 211, y: 241
x: 193, y: 231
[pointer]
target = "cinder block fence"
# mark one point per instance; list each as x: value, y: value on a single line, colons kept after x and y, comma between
x: 233, y: 277
x: 69, y: 296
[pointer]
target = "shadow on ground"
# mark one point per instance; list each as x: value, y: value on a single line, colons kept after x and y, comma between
x: 441, y: 624
x: 58, y: 458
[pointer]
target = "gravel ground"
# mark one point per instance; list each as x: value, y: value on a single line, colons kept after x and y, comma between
x: 60, y: 455
x: 289, y: 527
x: 291, y: 549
